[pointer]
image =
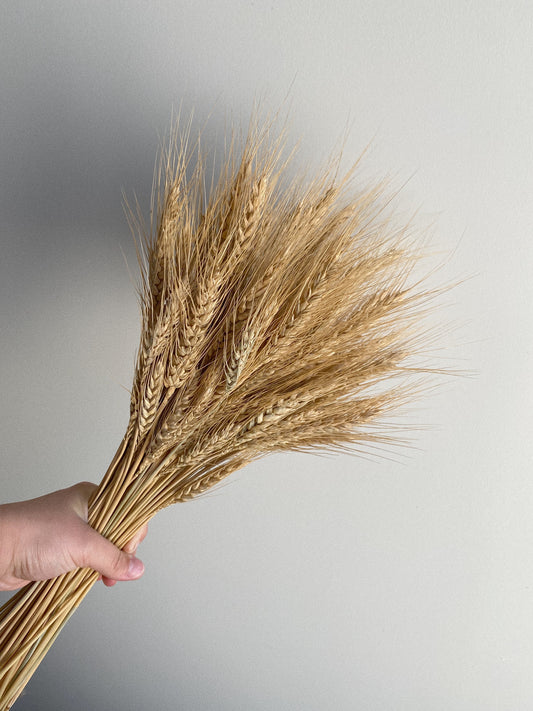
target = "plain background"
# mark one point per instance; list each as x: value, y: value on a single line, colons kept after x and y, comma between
x: 304, y: 582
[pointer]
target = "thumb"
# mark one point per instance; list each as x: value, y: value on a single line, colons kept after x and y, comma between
x: 108, y: 560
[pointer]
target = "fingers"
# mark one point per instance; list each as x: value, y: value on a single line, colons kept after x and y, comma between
x: 108, y: 582
x: 101, y: 555
x: 131, y: 548
x: 137, y: 539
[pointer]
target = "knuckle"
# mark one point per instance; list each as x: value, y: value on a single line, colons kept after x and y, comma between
x: 120, y: 564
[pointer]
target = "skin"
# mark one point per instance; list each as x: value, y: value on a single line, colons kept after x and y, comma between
x: 48, y: 536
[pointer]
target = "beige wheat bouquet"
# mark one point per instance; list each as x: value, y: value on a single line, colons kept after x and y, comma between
x: 276, y: 315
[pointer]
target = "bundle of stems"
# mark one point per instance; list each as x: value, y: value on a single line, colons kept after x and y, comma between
x: 277, y: 315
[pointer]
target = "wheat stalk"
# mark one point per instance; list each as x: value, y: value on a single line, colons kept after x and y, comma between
x: 274, y: 318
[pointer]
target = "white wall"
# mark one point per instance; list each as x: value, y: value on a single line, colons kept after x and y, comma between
x: 303, y: 583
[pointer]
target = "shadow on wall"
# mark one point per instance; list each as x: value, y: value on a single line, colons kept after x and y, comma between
x: 66, y: 163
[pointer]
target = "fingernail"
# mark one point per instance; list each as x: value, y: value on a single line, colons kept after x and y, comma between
x: 136, y: 568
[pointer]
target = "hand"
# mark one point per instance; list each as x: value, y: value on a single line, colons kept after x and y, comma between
x: 48, y: 536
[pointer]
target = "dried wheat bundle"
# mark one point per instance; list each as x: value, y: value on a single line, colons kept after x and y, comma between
x: 275, y: 317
